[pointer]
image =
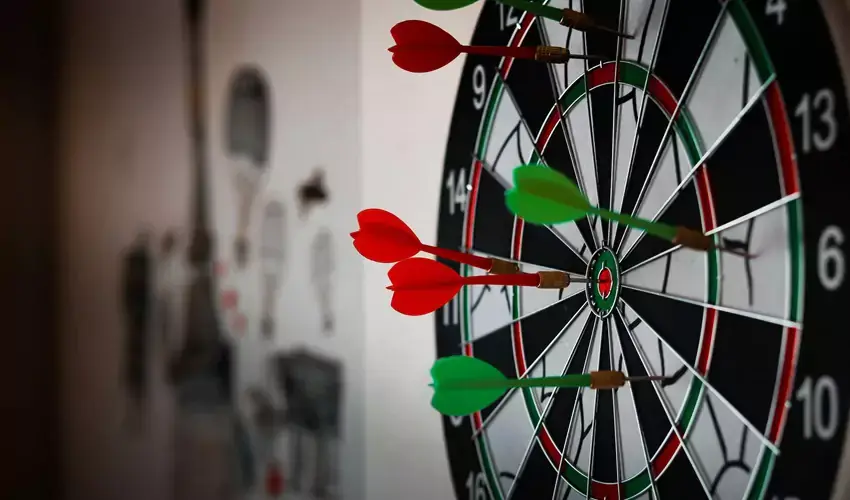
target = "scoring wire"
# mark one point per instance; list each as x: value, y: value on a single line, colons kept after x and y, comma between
x: 682, y: 102
x: 534, y: 363
x: 549, y: 405
x: 701, y: 162
x: 506, y: 185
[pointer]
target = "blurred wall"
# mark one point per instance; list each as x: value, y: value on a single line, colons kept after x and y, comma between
x: 28, y: 89
x: 405, y: 127
x: 126, y: 168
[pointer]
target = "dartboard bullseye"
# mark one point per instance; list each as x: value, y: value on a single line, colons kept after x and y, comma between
x: 603, y: 282
x: 639, y: 210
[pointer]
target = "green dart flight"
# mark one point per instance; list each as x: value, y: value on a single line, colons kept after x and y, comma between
x: 545, y: 196
x: 464, y: 385
x: 566, y: 17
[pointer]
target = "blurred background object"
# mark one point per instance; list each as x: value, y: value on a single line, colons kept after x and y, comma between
x: 248, y: 136
x: 119, y: 115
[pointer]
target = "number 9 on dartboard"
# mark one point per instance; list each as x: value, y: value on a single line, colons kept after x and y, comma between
x: 644, y: 222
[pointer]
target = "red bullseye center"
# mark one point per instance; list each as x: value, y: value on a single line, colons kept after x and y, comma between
x: 604, y: 282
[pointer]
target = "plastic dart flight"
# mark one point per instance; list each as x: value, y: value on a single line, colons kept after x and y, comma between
x: 422, y: 286
x: 383, y: 237
x: 566, y: 17
x: 464, y: 385
x: 422, y: 47
x: 545, y: 196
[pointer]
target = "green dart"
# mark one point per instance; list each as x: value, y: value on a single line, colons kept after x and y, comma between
x: 464, y: 385
x: 566, y: 17
x: 545, y: 196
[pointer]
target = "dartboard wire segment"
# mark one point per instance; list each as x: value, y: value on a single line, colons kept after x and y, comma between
x: 616, y: 121
x: 655, y: 130
x: 531, y: 366
x: 665, y: 404
x: 682, y: 102
x: 767, y: 442
x: 555, y: 230
x: 689, y: 176
x: 536, y: 155
x: 631, y: 399
x: 564, y: 126
x: 645, y: 95
x: 589, y: 333
x: 748, y: 218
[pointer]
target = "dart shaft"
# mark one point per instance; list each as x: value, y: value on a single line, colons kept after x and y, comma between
x: 518, y: 279
x: 464, y: 258
x: 652, y: 378
x: 658, y: 229
x: 541, y: 279
x: 580, y: 380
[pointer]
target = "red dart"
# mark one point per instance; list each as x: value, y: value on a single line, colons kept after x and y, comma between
x: 385, y: 238
x: 422, y: 47
x: 422, y: 285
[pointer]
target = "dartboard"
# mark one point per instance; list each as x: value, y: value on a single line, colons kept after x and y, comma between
x: 728, y: 117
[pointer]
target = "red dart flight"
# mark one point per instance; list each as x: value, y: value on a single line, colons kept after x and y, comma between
x: 422, y: 47
x: 385, y: 238
x: 422, y: 286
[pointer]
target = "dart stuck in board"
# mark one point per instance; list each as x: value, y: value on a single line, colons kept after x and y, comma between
x: 422, y: 47
x: 464, y: 385
x: 421, y: 286
x: 566, y: 17
x: 544, y: 196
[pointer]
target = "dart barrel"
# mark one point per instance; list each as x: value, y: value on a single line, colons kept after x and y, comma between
x: 607, y: 379
x: 499, y: 266
x: 692, y: 239
x: 550, y: 54
x: 553, y: 279
x: 577, y: 20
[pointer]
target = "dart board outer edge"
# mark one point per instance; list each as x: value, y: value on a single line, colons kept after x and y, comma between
x: 838, y: 17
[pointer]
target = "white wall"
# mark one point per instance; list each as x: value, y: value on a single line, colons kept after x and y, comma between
x: 125, y: 156
x: 406, y: 121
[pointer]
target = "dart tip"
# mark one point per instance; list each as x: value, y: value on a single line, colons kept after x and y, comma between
x: 391, y: 288
x: 354, y: 234
x: 393, y: 49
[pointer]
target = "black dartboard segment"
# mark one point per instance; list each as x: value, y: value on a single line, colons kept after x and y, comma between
x: 749, y: 342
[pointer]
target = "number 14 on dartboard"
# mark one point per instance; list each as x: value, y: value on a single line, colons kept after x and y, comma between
x: 457, y: 191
